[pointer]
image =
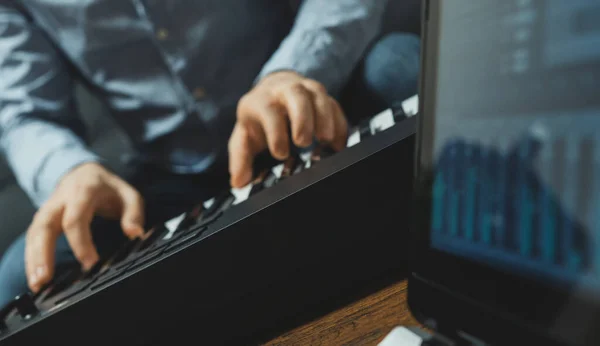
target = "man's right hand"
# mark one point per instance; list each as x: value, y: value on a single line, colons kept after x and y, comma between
x: 87, y: 190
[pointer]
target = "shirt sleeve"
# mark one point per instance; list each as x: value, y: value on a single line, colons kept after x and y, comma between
x: 38, y: 121
x: 328, y: 39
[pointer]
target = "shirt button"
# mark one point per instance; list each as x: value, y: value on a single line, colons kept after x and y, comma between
x: 162, y: 34
x: 199, y: 93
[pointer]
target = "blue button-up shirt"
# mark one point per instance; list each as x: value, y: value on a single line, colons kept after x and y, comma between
x: 171, y: 71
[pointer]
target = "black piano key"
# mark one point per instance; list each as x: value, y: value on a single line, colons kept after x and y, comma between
x: 319, y: 153
x: 63, y: 282
x: 150, y: 252
x: 399, y: 114
x: 221, y: 203
x: 94, y: 270
x: 124, y: 251
x: 291, y: 166
x: 74, y: 290
x: 191, y: 217
x: 262, y: 162
x: 142, y: 261
x: 206, y: 222
x: 183, y: 241
x: 153, y: 236
x: 151, y: 242
x: 47, y: 288
x: 364, y: 128
x: 257, y: 185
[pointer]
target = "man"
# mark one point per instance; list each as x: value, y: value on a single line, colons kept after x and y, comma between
x: 198, y: 86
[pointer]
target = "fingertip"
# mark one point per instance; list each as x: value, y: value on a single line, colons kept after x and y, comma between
x: 326, y: 134
x: 89, y: 260
x: 340, y: 143
x: 303, y: 139
x: 38, y: 277
x: 241, y: 179
x: 280, y: 149
x: 133, y: 230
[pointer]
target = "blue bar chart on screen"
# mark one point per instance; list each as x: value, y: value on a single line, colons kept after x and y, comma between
x: 496, y: 205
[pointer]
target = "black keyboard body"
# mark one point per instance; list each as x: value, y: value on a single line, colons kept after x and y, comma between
x: 246, y: 272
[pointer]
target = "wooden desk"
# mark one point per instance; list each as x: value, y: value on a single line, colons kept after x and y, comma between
x: 364, y: 322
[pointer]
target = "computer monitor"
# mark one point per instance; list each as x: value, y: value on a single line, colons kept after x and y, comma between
x: 507, y: 221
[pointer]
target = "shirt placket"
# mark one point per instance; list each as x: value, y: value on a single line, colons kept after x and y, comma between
x: 161, y: 33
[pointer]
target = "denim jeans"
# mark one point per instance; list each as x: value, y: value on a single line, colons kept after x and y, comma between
x: 388, y: 74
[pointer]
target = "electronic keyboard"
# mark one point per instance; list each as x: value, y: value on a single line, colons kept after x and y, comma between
x: 245, y: 263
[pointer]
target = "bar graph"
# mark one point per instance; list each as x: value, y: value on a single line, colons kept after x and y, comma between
x: 497, y: 203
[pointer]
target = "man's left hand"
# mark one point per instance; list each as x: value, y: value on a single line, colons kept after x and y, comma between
x: 279, y: 103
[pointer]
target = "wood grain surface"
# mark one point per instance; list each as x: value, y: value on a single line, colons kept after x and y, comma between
x: 364, y: 322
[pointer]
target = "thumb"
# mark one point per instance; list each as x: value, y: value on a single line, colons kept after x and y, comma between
x: 132, y: 213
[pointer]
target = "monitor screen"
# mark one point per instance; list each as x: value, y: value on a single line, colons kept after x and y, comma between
x: 517, y: 183
x: 508, y: 173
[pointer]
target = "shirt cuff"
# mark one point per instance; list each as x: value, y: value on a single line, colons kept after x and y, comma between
x: 55, y: 166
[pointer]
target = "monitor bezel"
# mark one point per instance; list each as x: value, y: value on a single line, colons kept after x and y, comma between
x: 490, y: 304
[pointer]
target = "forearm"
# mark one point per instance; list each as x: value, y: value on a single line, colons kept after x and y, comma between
x: 328, y: 40
x: 37, y: 117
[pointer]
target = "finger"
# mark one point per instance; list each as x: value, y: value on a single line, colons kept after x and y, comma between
x: 298, y: 102
x: 340, y: 138
x: 40, y: 245
x: 275, y: 127
x: 76, y: 225
x: 324, y: 112
x: 132, y: 216
x: 243, y: 146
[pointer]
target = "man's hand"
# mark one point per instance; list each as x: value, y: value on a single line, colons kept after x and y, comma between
x: 87, y: 190
x: 263, y: 116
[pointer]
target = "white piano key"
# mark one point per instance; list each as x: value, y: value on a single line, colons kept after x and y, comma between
x: 353, y: 139
x: 208, y: 203
x: 411, y: 106
x: 382, y: 121
x: 306, y: 158
x: 241, y: 194
x: 172, y: 225
x: 277, y: 170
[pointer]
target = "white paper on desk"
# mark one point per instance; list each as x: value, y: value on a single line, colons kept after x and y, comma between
x: 401, y: 336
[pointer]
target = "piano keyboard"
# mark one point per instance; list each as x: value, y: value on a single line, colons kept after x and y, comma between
x: 372, y: 126
x: 181, y: 230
